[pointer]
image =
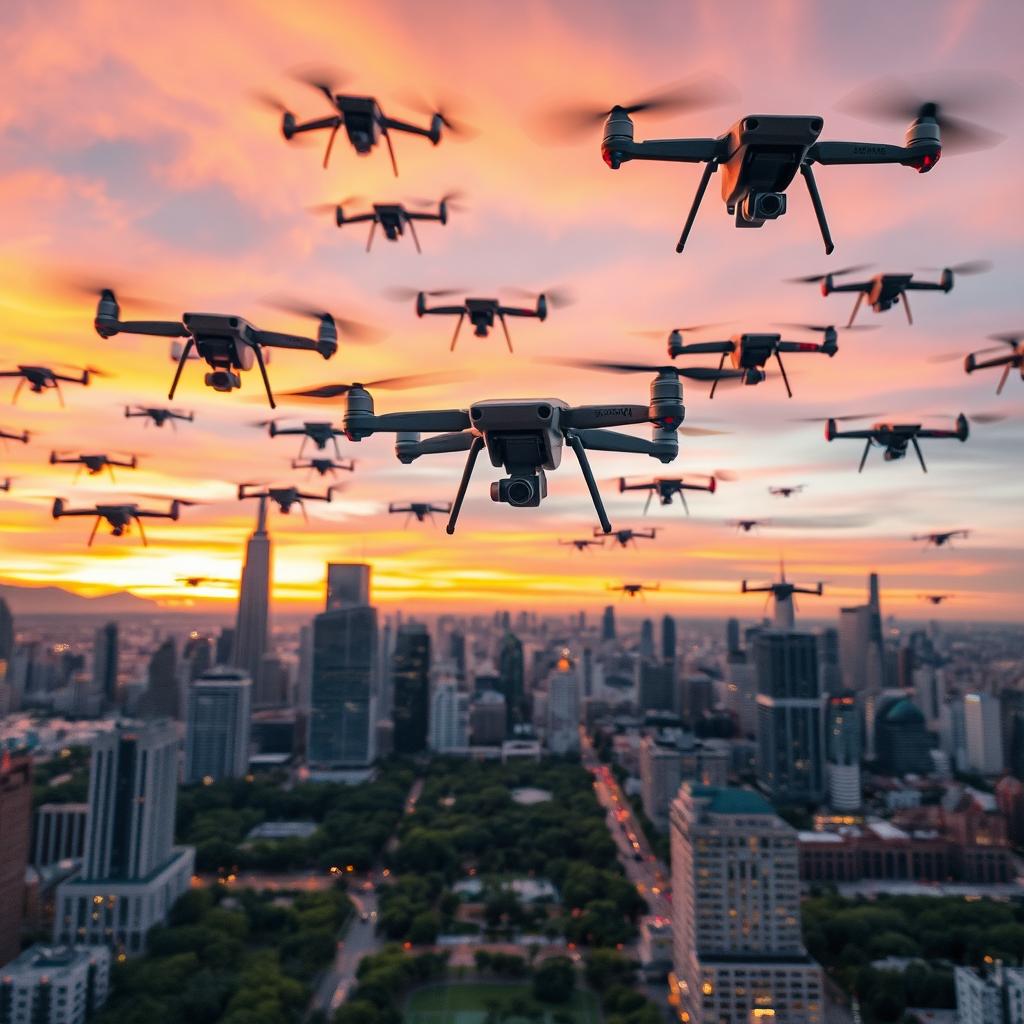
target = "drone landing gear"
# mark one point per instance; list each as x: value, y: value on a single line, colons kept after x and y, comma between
x: 1003, y: 379
x: 182, y: 359
x: 864, y: 457
x: 709, y: 168
x: 920, y: 456
x: 455, y: 336
x: 782, y: 370
x: 391, y: 151
x: 682, y: 498
x: 415, y: 237
x: 856, y: 306
x: 369, y: 241
x: 819, y: 210
x: 647, y: 503
x: 92, y: 535
x: 906, y: 308
x: 595, y: 495
x: 714, y: 383
x: 467, y: 473
x: 142, y: 532
x: 263, y: 374
x: 504, y: 327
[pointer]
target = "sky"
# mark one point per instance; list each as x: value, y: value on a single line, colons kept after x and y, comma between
x: 134, y: 152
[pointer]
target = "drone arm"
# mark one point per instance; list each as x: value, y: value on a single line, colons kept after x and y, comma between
x: 859, y: 153
x: 460, y: 441
x: 819, y: 209
x: 706, y: 348
x: 157, y: 328
x: 146, y: 514
x: 421, y: 215
x: 474, y: 450
x: 405, y: 126
x: 924, y: 286
x: 1009, y: 360
x: 579, y: 448
x: 686, y: 151
x: 429, y: 421
x: 583, y: 416
x: 601, y: 440
x: 277, y: 340
x: 444, y: 310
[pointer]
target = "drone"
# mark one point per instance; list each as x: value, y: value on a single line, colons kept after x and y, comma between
x: 321, y: 434
x: 43, y: 378
x: 883, y: 291
x: 482, y: 312
x: 95, y: 464
x: 941, y: 539
x: 119, y: 516
x: 667, y: 488
x: 7, y: 435
x: 582, y: 545
x: 285, y: 497
x: 526, y: 436
x: 635, y: 589
x: 325, y: 467
x: 746, y: 525
x: 5, y: 484
x: 229, y: 344
x: 782, y: 591
x: 157, y: 415
x: 894, y: 438
x: 1009, y: 360
x: 197, y: 581
x: 363, y: 120
x: 392, y: 218
x: 422, y: 510
x: 935, y: 598
x: 761, y: 154
x: 628, y: 538
x: 786, y: 492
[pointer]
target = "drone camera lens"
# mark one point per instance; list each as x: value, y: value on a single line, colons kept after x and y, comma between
x: 520, y: 491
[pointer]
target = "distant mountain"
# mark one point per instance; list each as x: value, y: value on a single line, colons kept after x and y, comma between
x: 58, y: 601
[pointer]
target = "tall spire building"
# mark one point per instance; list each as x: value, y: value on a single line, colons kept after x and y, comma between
x: 254, y: 599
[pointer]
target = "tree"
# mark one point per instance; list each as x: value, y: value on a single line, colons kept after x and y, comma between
x: 554, y: 980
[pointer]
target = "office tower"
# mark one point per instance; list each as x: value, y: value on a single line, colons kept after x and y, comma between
x: 874, y: 611
x: 830, y: 673
x: 791, y: 754
x: 131, y: 872
x: 608, y: 623
x: 271, y: 690
x: 224, y: 647
x: 254, y: 598
x: 854, y: 630
x: 449, y: 717
x: 661, y: 772
x: 304, y: 672
x: 902, y: 742
x: 732, y: 638
x: 984, y: 734
x: 844, y: 748
x: 1011, y: 706
x: 348, y: 585
x: 669, y: 642
x: 197, y: 656
x: 15, y: 825
x: 737, y: 946
x: 58, y: 833
x: 511, y: 676
x: 160, y: 699
x: 55, y: 985
x: 563, y: 713
x: 647, y: 640
x: 217, y: 733
x: 345, y: 667
x: 488, y: 719
x: 6, y: 631
x: 105, y: 663
x: 657, y: 686
x: 696, y: 697
x: 457, y: 652
x: 410, y: 687
x: 993, y: 994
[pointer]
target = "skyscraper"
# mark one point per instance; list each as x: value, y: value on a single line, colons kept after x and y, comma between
x: 161, y: 698
x: 449, y: 717
x: 217, y: 733
x: 844, y: 747
x: 737, y: 947
x: 511, y: 676
x: 661, y: 772
x: 254, y: 598
x: 6, y: 631
x: 563, y: 718
x: 105, y: 663
x: 669, y: 642
x: 902, y: 741
x: 131, y: 873
x: 657, y: 687
x: 647, y: 639
x: 732, y: 638
x: 15, y: 826
x: 348, y: 585
x: 791, y: 752
x: 410, y: 688
x: 608, y: 623
x: 984, y: 734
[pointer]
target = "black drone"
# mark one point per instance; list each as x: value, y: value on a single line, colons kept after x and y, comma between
x: 325, y: 467
x: 229, y: 344
x: 635, y: 589
x: 198, y: 581
x: 746, y: 525
x: 43, y: 378
x: 119, y: 516
x: 422, y: 510
x: 883, y: 291
x: 582, y: 545
x: 157, y: 415
x: 935, y: 598
x: 525, y: 436
x: 320, y: 433
x: 941, y: 539
x: 782, y: 590
x: 1011, y: 357
x: 667, y: 488
x: 895, y: 438
x: 94, y: 464
x: 786, y: 492
x: 8, y: 435
x: 5, y: 484
x: 285, y: 497
x: 628, y: 538
x: 363, y: 120
x: 761, y: 154
x: 392, y: 218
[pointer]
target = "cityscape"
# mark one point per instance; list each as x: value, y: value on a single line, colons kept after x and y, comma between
x: 342, y: 684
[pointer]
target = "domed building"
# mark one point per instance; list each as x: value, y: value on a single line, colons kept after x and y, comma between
x: 902, y: 741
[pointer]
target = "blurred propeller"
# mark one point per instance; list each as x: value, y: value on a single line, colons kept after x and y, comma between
x: 692, y: 372
x: 452, y: 199
x: 1012, y: 338
x: 655, y: 332
x: 821, y: 328
x: 838, y: 419
x: 354, y: 330
x: 415, y: 380
x: 812, y: 278
x: 400, y: 293
x: 977, y: 417
x: 967, y: 268
x: 323, y: 79
x: 331, y: 207
x: 443, y: 109
x: 557, y: 297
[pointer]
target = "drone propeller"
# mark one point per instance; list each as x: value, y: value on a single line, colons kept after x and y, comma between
x: 838, y: 419
x: 85, y: 286
x: 325, y: 80
x: 967, y: 268
x: 655, y: 332
x: 415, y: 380
x: 725, y: 475
x: 331, y: 207
x: 681, y: 97
x: 822, y: 328
x: 813, y: 278
x: 400, y: 293
x: 453, y: 200
x: 557, y: 297
x: 93, y: 371
x: 893, y: 99
x: 354, y: 330
x: 1012, y: 338
x: 701, y: 373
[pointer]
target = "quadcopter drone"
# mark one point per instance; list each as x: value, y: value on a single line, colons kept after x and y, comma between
x: 5, y: 484
x: 119, y: 516
x: 894, y: 438
x: 761, y: 154
x: 935, y: 598
x: 628, y: 538
x: 363, y: 120
x: 196, y: 581
x: 786, y: 492
x: 157, y: 415
x: 321, y: 434
x: 43, y: 378
x: 635, y: 589
x: 939, y: 540
x: 481, y: 312
x: 229, y: 344
x: 746, y: 525
x: 393, y: 218
x: 782, y: 591
x: 883, y: 291
x: 7, y: 435
x: 582, y: 545
x: 95, y: 464
x: 1009, y: 360
x: 325, y: 467
x: 526, y: 436
x: 667, y: 488
x: 422, y: 510
x: 285, y: 497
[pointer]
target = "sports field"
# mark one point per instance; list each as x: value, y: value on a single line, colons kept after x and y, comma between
x: 469, y: 1004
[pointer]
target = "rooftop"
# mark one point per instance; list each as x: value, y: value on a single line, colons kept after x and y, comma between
x: 728, y: 800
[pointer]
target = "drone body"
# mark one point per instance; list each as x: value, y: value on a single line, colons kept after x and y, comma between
x: 1008, y: 360
x: 321, y: 433
x: 482, y: 314
x: 895, y: 438
x: 324, y: 467
x: 635, y: 589
x: 628, y: 538
x: 43, y: 378
x: 422, y: 510
x: 393, y: 219
x: 582, y: 544
x: 157, y: 415
x: 786, y: 492
x: 284, y: 497
x: 935, y: 598
x: 196, y: 581
x: 119, y: 516
x: 941, y: 539
x: 782, y: 591
x: 667, y: 489
x: 94, y: 464
x: 746, y: 525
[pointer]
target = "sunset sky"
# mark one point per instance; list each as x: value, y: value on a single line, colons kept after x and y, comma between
x: 134, y: 152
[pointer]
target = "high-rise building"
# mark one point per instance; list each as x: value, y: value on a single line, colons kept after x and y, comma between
x: 661, y: 772
x: 105, y: 663
x: 791, y: 734
x: 902, y: 742
x: 197, y: 656
x: 161, y: 698
x: 647, y: 639
x: 488, y: 718
x: 457, y: 652
x: 224, y: 648
x: 410, y: 687
x: 844, y: 747
x: 15, y: 826
x: 732, y: 638
x: 6, y: 631
x: 994, y: 995
x: 511, y: 676
x: 657, y: 690
x: 217, y: 733
x: 254, y: 598
x: 449, y: 716
x: 59, y: 833
x: 272, y: 690
x: 608, y: 623
x: 669, y: 641
x: 1011, y: 706
x: 348, y: 585
x: 984, y: 733
x: 131, y: 872
x: 828, y: 661
x: 737, y: 947
x: 55, y: 985
x: 563, y: 712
